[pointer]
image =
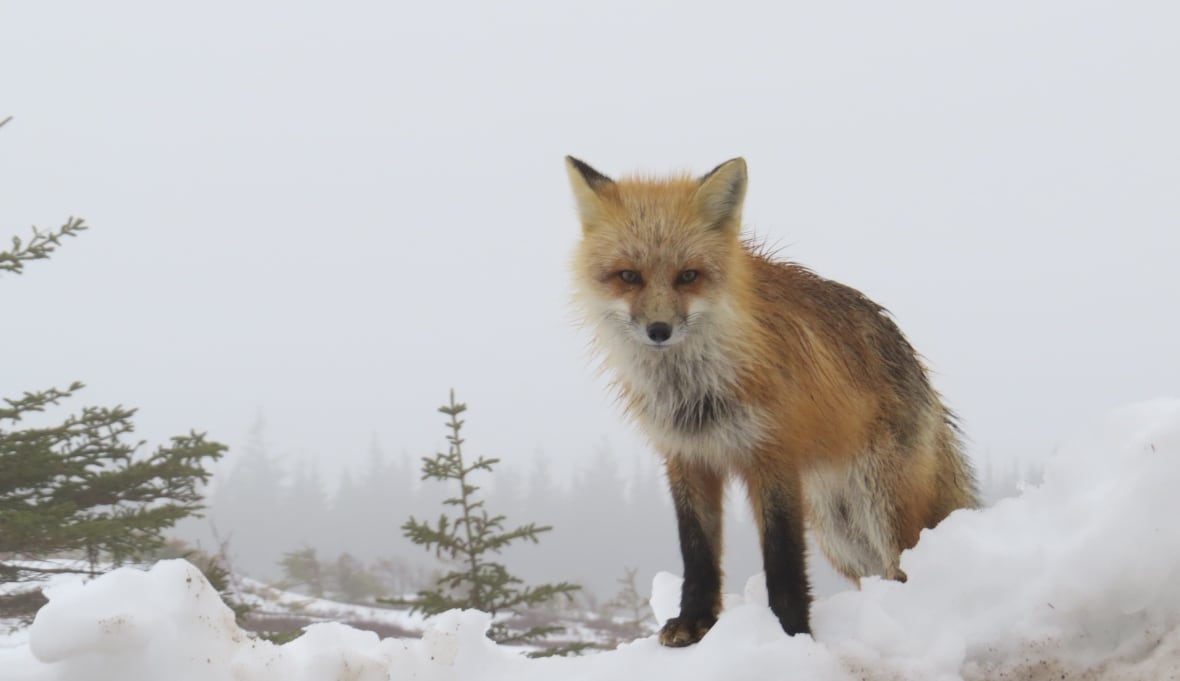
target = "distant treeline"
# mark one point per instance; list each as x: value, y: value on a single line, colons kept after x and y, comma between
x: 606, y: 518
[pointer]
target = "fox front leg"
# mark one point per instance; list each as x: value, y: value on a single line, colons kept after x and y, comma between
x: 697, y: 493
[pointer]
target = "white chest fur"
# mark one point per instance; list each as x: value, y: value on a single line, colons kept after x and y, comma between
x: 684, y: 398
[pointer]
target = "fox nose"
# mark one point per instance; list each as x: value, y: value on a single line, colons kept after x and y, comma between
x: 659, y: 331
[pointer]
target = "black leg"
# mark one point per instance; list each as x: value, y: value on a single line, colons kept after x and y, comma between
x: 786, y: 574
x: 697, y: 495
x: 784, y: 556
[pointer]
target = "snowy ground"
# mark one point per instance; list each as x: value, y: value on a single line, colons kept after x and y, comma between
x: 1078, y: 577
x: 271, y: 603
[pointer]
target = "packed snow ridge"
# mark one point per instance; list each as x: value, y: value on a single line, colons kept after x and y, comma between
x: 1078, y: 577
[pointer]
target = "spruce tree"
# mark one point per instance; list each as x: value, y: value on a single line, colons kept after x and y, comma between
x: 81, y: 489
x: 468, y: 538
x: 630, y: 608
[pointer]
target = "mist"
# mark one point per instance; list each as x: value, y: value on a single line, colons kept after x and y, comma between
x: 327, y: 215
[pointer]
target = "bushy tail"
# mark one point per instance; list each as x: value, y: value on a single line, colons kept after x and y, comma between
x: 957, y: 487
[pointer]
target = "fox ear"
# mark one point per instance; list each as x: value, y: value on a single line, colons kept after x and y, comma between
x: 588, y: 185
x: 721, y: 193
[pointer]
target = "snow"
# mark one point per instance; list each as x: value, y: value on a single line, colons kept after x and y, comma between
x: 1076, y: 577
x: 268, y: 600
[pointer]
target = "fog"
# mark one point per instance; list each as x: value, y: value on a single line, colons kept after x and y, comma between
x: 329, y: 214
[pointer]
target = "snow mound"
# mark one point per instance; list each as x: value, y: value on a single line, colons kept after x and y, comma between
x: 1081, y: 572
x: 129, y: 622
x: 1076, y: 578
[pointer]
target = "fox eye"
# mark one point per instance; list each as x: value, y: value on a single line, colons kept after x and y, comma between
x: 687, y: 277
x: 630, y: 277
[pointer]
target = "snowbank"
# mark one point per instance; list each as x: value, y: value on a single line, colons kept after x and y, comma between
x: 1079, y: 576
x: 1082, y: 571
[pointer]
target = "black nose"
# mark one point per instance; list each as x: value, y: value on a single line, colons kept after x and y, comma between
x: 659, y: 331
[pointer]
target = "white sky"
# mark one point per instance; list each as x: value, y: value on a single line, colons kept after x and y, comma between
x: 333, y: 212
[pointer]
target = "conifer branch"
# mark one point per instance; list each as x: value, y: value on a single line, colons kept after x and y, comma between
x: 39, y: 247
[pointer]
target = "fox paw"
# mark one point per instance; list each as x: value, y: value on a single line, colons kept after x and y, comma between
x: 683, y: 631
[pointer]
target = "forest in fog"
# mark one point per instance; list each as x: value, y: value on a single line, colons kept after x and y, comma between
x: 609, y: 515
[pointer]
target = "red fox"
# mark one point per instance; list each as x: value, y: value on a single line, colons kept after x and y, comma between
x: 735, y: 364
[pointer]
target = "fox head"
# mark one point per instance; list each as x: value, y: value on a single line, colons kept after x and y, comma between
x: 658, y: 259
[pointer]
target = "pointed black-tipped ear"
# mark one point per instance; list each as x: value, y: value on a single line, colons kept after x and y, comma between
x: 593, y: 179
x: 722, y: 191
x: 587, y: 184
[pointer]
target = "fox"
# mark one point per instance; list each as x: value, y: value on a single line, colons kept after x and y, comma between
x: 736, y: 364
